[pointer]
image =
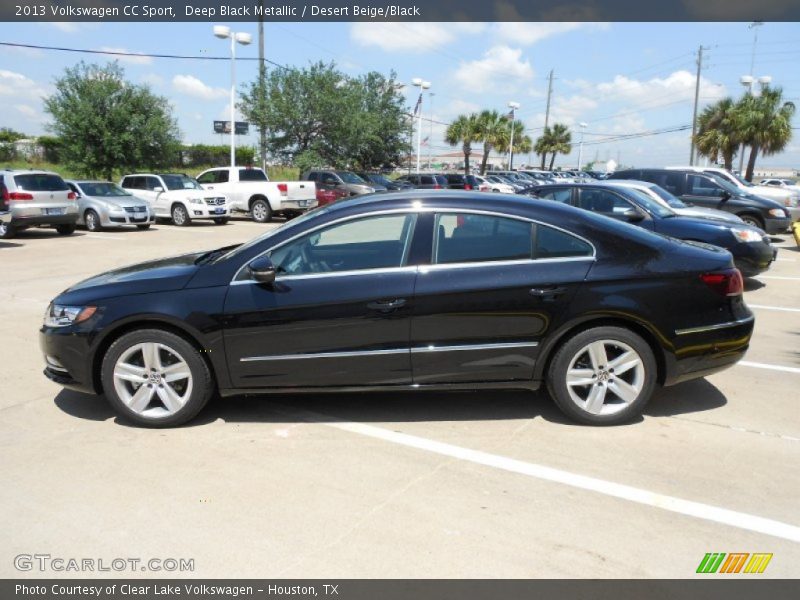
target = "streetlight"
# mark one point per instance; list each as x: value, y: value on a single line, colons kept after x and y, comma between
x: 423, y: 85
x: 583, y: 127
x: 223, y: 32
x: 513, y: 106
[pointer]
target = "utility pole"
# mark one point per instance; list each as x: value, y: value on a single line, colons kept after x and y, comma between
x: 547, y: 110
x: 430, y: 130
x: 262, y: 72
x: 696, y: 100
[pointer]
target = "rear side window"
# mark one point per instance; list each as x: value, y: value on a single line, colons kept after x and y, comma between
x: 152, y: 183
x: 133, y: 183
x: 563, y: 195
x: 41, y: 182
x: 554, y: 243
x: 669, y: 181
x: 701, y: 186
x: 480, y: 238
x: 249, y: 175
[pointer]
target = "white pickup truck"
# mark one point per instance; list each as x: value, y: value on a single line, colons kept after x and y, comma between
x: 249, y: 189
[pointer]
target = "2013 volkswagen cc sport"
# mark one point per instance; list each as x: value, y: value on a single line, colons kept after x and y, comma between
x: 407, y: 291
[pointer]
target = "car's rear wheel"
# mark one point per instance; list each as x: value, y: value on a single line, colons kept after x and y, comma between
x: 156, y: 378
x: 143, y: 227
x: 180, y: 216
x: 6, y: 231
x: 261, y: 211
x: 602, y: 376
x: 221, y: 221
x: 65, y: 229
x: 92, y: 220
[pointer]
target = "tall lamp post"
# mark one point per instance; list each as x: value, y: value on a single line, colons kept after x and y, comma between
x: 223, y: 32
x: 513, y: 106
x: 423, y: 85
x: 583, y: 127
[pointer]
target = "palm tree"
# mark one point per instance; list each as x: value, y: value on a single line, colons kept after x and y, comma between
x: 542, y: 146
x: 464, y: 130
x: 764, y: 123
x: 717, y: 133
x: 493, y: 128
x: 560, y: 141
x: 522, y: 142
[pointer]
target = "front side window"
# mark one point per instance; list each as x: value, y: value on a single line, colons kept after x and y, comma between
x: 563, y: 195
x: 603, y: 202
x: 481, y: 238
x: 379, y: 242
x: 181, y: 182
x: 702, y: 186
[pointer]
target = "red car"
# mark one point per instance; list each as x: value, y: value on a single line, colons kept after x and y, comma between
x: 326, y: 196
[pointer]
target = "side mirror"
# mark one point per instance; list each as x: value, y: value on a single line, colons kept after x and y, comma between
x: 158, y: 189
x: 724, y: 195
x: 633, y: 215
x: 262, y: 270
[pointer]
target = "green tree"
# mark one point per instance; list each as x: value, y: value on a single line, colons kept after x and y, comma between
x: 764, y: 123
x: 542, y: 145
x: 465, y: 130
x: 522, y: 142
x: 107, y: 123
x: 554, y: 140
x: 717, y: 133
x: 320, y: 111
x: 492, y: 127
x: 9, y: 136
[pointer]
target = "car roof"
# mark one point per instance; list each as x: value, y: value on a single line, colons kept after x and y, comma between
x: 634, y: 183
x: 29, y: 172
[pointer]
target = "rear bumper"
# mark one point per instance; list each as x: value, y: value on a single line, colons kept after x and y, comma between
x: 35, y: 221
x: 701, y: 351
x: 297, y: 206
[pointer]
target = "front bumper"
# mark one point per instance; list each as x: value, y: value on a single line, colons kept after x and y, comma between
x: 123, y: 219
x: 68, y: 357
x: 752, y: 258
x: 772, y: 225
x: 206, y: 211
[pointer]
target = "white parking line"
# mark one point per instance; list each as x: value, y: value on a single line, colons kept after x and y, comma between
x: 100, y: 236
x: 779, y: 277
x: 609, y: 488
x: 785, y: 259
x: 781, y: 308
x: 758, y: 365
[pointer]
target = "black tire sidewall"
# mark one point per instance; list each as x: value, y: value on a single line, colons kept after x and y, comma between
x: 65, y: 229
x: 202, y: 386
x: 557, y: 372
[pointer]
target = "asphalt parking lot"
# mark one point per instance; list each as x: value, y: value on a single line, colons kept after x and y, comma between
x: 426, y: 485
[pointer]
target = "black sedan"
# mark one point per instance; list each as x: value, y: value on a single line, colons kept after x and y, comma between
x: 751, y: 248
x: 407, y: 291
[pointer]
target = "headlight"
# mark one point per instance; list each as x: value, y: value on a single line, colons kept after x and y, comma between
x: 777, y: 212
x: 746, y: 235
x: 58, y: 315
x: 196, y: 200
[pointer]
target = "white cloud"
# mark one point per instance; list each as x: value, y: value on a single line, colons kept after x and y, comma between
x: 530, y: 33
x: 127, y: 56
x: 192, y: 86
x: 410, y: 37
x: 29, y: 112
x: 501, y: 68
x: 18, y: 85
x: 677, y: 86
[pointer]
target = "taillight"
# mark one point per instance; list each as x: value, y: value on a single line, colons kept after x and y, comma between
x: 436, y: 186
x: 726, y: 283
x: 71, y: 196
x: 19, y: 196
x: 283, y: 189
x: 467, y: 186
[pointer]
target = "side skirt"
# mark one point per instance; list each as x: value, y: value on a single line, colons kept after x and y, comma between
x: 436, y: 387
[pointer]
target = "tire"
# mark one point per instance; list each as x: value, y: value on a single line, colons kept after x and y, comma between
x: 752, y: 220
x: 613, y: 403
x: 222, y: 221
x: 143, y: 227
x: 92, y: 220
x: 261, y: 211
x: 6, y: 231
x: 180, y: 216
x: 156, y: 402
x: 65, y: 229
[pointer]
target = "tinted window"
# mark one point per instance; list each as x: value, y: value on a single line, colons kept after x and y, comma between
x: 349, y: 177
x: 481, y: 238
x: 369, y: 243
x: 563, y: 195
x: 102, y: 188
x: 552, y: 243
x: 602, y: 201
x: 151, y: 183
x: 312, y: 176
x: 134, y: 183
x: 701, y: 186
x: 440, y: 179
x: 41, y: 182
x: 208, y: 177
x: 251, y: 175
x: 178, y: 182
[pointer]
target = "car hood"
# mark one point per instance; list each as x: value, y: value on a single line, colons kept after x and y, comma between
x: 708, y: 213
x: 119, y: 200
x: 162, y: 275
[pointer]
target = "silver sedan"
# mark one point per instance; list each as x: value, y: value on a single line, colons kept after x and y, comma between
x: 105, y: 205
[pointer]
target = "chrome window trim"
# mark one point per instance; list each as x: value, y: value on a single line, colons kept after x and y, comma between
x: 416, y: 350
x: 705, y: 328
x: 419, y: 210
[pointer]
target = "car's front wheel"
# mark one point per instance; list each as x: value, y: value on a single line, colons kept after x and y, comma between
x: 92, y: 220
x: 156, y: 378
x: 6, y: 231
x: 221, y: 221
x: 180, y: 216
x: 602, y: 376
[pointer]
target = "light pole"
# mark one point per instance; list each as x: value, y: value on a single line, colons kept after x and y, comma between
x: 430, y: 131
x: 513, y: 106
x: 423, y: 85
x: 223, y: 32
x: 583, y: 127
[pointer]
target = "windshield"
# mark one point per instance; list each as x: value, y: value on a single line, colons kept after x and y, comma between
x: 725, y: 184
x: 738, y: 178
x: 349, y: 177
x: 181, y: 182
x: 102, y: 188
x: 652, y: 205
x: 671, y: 200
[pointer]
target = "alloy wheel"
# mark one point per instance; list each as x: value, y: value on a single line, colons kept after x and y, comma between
x: 153, y: 380
x: 179, y: 215
x: 605, y: 377
x: 92, y: 221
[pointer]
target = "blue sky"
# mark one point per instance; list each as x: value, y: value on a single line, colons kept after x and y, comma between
x: 619, y: 78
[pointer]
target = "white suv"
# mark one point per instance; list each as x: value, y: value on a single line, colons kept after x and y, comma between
x: 177, y: 197
x: 36, y: 198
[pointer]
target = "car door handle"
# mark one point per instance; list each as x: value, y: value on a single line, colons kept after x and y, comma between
x: 547, y: 292
x: 387, y: 305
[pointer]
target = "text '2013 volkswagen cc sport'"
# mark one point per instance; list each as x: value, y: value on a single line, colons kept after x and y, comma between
x: 408, y: 291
